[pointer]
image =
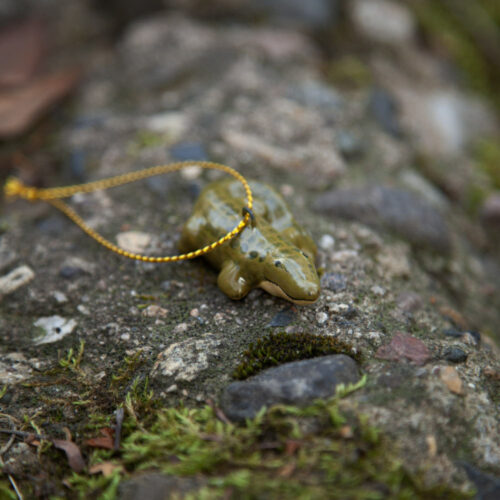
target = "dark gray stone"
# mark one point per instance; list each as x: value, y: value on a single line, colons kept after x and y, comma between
x: 384, y: 110
x: 396, y: 210
x: 455, y: 355
x: 298, y: 383
x: 283, y: 318
x: 335, y: 282
x: 487, y: 486
x: 350, y: 145
x: 185, y: 151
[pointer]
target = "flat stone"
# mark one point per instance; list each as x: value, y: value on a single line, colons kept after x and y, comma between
x: 16, y: 279
x: 283, y: 318
x: 297, y: 383
x: 54, y: 328
x: 383, y: 21
x: 187, y: 359
x: 395, y: 210
x: 404, y: 347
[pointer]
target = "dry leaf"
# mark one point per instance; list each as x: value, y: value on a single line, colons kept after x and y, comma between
x: 22, y: 106
x: 105, y: 440
x: 291, y: 447
x: 451, y: 379
x: 105, y: 468
x: 21, y: 49
x: 287, y: 470
x: 403, y: 346
x: 346, y: 432
x: 73, y: 453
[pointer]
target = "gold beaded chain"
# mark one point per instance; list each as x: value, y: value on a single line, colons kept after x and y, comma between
x: 14, y: 187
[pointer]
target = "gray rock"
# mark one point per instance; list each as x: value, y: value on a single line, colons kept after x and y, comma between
x: 185, y: 151
x: 349, y: 144
x: 383, y: 21
x: 384, y: 109
x: 455, y: 354
x: 488, y: 486
x: 391, y: 209
x: 283, y: 318
x: 334, y: 281
x: 298, y: 383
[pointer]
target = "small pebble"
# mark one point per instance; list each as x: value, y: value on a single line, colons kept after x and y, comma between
x: 283, y: 318
x: 455, y: 355
x: 326, y: 242
x: 181, y: 328
x: 194, y: 312
x: 83, y: 310
x: 134, y: 241
x: 334, y: 281
x: 59, y: 297
x: 53, y: 328
x: 155, y: 311
x: 321, y: 318
x: 378, y: 290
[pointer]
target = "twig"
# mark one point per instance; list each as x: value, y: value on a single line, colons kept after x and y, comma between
x: 120, y: 412
x: 25, y: 435
x: 16, y: 489
x: 218, y: 412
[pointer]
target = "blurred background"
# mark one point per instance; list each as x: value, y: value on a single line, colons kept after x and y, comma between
x: 425, y: 72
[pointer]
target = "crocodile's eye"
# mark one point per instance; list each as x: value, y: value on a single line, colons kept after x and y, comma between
x: 277, y: 263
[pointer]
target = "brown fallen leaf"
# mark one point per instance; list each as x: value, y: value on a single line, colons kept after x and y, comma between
x: 346, y: 432
x: 451, y: 379
x: 105, y: 468
x: 22, y: 106
x: 105, y: 440
x: 291, y: 447
x: 21, y: 50
x: 73, y: 453
x: 403, y: 346
x: 287, y: 470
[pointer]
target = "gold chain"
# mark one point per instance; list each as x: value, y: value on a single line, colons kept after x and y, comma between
x: 14, y: 187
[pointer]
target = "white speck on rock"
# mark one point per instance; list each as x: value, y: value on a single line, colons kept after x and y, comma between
x: 187, y: 359
x: 326, y: 242
x: 321, y: 318
x: 134, y: 241
x: 59, y: 297
x: 378, y: 290
x: 181, y: 328
x: 383, y: 21
x: 17, y: 278
x: 54, y: 328
x: 83, y: 310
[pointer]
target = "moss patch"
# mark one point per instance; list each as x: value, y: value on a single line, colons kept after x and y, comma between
x: 313, y: 452
x: 279, y: 348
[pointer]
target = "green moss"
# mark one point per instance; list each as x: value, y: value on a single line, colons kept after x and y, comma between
x: 465, y: 34
x: 488, y: 159
x: 349, y: 72
x: 278, y: 348
x: 286, y: 452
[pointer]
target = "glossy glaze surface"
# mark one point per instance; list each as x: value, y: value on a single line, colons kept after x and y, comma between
x: 275, y: 253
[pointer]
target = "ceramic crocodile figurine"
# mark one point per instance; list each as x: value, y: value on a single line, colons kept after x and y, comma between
x: 274, y: 253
